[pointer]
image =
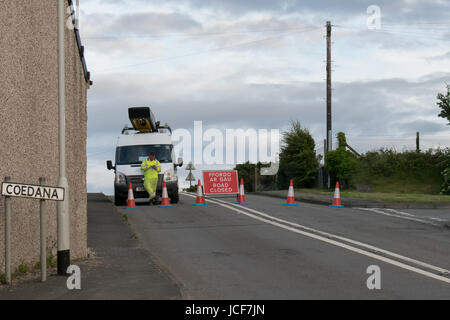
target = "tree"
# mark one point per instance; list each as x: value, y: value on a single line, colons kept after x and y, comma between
x: 444, y: 104
x: 444, y: 165
x: 247, y: 172
x: 341, y: 163
x: 297, y: 158
x: 342, y: 139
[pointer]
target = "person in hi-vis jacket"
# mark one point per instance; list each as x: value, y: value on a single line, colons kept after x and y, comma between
x: 151, y: 168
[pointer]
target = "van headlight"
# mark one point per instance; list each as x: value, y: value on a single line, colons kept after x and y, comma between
x: 169, y: 176
x: 120, y: 178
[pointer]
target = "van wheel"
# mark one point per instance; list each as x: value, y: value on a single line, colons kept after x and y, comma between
x: 174, y: 197
x: 118, y: 201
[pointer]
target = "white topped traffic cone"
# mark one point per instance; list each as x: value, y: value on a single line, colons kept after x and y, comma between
x: 290, y: 199
x: 241, y: 196
x: 200, y: 200
x: 337, y: 197
x: 130, y: 202
x: 165, y: 202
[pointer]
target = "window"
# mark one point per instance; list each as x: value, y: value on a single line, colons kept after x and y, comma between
x: 137, y: 154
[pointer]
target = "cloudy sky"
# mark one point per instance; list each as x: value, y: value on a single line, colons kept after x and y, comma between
x: 260, y: 63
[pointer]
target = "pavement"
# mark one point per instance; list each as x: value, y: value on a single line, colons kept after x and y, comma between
x: 354, y: 202
x: 262, y: 250
x: 119, y: 268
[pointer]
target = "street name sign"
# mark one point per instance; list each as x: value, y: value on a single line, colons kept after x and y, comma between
x: 32, y: 191
x: 220, y: 182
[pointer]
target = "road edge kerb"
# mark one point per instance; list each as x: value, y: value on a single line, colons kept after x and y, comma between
x: 361, y: 203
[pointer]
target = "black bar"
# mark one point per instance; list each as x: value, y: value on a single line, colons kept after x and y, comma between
x: 63, y: 261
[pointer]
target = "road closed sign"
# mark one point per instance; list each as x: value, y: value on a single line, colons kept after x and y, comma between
x: 220, y: 182
x: 32, y: 191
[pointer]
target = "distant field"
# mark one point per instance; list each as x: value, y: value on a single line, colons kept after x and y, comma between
x: 385, y: 197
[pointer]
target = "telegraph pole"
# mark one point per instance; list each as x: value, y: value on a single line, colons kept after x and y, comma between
x: 329, y: 127
x: 62, y: 209
x: 256, y: 177
x: 417, y: 142
x: 329, y: 145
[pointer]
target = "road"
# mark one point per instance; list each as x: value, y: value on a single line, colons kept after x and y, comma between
x: 264, y: 250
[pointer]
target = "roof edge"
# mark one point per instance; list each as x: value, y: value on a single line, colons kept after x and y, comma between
x: 87, y: 74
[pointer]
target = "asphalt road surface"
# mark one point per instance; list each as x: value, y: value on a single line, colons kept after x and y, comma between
x: 264, y: 250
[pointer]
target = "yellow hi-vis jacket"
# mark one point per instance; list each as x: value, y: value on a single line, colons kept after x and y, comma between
x: 150, y: 173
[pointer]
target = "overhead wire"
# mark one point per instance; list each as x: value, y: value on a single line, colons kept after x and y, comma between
x: 208, y: 50
x: 399, y: 30
x: 198, y: 34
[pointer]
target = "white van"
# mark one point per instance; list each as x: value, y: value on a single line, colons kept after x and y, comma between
x: 134, y: 147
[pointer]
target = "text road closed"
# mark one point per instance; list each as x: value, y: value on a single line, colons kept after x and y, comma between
x: 220, y: 182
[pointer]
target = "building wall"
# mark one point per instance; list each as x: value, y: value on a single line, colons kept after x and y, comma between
x: 29, y: 125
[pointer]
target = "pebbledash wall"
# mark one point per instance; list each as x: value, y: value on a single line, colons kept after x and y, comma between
x: 29, y: 124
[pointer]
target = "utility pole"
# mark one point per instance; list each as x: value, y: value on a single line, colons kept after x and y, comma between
x: 63, y: 216
x: 329, y: 127
x: 329, y: 145
x: 256, y: 177
x: 417, y: 142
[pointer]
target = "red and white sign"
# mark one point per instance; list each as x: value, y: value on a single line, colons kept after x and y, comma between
x: 220, y: 182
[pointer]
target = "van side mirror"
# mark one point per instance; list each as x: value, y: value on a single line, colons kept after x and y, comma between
x: 109, y: 165
x: 180, y: 162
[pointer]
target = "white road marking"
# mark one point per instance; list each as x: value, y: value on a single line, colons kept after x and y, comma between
x: 396, y: 215
x: 329, y: 235
x: 437, y: 219
x: 328, y: 238
x: 400, y: 212
x: 412, y: 215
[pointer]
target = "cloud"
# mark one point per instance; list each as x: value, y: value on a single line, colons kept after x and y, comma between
x: 399, y: 11
x: 391, y: 106
x: 147, y: 23
x: 99, y: 179
x: 445, y: 56
x: 371, y: 107
x: 258, y: 64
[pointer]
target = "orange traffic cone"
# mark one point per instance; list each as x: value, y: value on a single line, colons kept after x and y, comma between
x: 241, y: 196
x: 290, y: 198
x: 200, y: 201
x: 337, y: 197
x: 165, y: 198
x: 130, y: 203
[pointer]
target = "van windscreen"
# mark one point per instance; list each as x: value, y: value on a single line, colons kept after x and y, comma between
x: 137, y: 154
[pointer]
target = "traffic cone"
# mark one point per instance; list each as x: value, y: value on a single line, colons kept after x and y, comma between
x: 165, y: 198
x: 337, y: 197
x: 130, y: 203
x: 200, y: 201
x: 241, y: 195
x: 290, y: 198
